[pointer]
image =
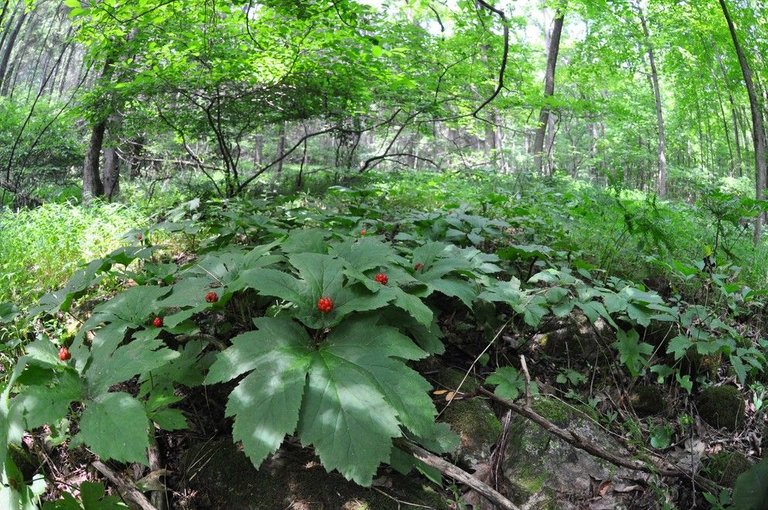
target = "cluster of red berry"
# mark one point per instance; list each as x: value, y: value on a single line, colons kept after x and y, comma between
x: 64, y: 354
x: 325, y: 304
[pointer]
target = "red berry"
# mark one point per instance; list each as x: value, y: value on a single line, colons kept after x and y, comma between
x: 211, y: 297
x: 64, y: 354
x: 325, y: 304
x: 418, y: 266
x: 158, y: 322
x: 140, y: 237
x: 382, y: 278
x: 363, y: 232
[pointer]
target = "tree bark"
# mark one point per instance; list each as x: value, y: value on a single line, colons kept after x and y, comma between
x: 92, y: 184
x: 758, y: 128
x: 549, y: 90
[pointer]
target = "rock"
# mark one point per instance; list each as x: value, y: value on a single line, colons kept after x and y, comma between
x: 473, y: 420
x: 725, y: 467
x: 219, y: 476
x: 574, y: 337
x: 648, y: 400
x: 545, y: 472
x: 722, y: 406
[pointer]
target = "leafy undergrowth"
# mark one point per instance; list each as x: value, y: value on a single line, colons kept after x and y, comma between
x: 305, y: 322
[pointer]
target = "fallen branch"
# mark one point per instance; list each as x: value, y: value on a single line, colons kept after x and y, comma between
x: 458, y: 474
x: 129, y: 491
x: 582, y: 443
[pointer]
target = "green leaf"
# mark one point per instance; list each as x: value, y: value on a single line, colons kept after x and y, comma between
x: 346, y: 418
x: 661, y: 436
x: 364, y: 254
x: 455, y: 287
x: 308, y: 240
x: 639, y: 313
x: 411, y: 304
x: 133, y: 307
x: 751, y: 491
x: 139, y: 356
x: 169, y: 419
x: 8, y: 312
x: 633, y: 353
x: 115, y: 426
x: 248, y: 349
x: 739, y: 368
x: 368, y: 347
x: 678, y: 346
x: 48, y: 400
x: 509, y: 384
x: 95, y: 498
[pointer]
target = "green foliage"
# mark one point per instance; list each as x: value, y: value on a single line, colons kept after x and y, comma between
x: 341, y: 378
x: 41, y: 248
x: 750, y: 493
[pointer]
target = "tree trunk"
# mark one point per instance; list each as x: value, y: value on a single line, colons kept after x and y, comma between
x: 661, y: 175
x: 92, y: 184
x: 6, y: 57
x: 280, y: 146
x: 549, y: 90
x: 758, y: 129
x: 111, y: 173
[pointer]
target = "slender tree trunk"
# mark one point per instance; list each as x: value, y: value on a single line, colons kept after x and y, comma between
x: 549, y: 90
x: 280, y: 146
x: 111, y: 173
x: 661, y: 174
x: 92, y: 185
x: 736, y: 135
x: 6, y: 57
x: 758, y: 129
x: 3, y: 13
x: 5, y: 30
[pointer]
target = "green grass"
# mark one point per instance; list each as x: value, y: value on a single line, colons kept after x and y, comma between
x: 41, y: 248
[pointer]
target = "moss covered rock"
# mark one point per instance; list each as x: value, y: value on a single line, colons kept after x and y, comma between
x: 722, y: 407
x: 547, y: 473
x: 473, y: 420
x: 574, y: 337
x: 725, y: 467
x: 648, y: 400
x: 221, y: 476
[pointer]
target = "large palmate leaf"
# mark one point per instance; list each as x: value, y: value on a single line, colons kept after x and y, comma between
x: 347, y: 397
x: 133, y: 308
x: 140, y: 356
x: 346, y: 418
x: 320, y: 275
x: 266, y: 403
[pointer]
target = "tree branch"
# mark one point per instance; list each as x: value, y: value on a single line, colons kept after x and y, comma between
x: 504, y: 58
x: 458, y: 474
x: 582, y: 443
x: 128, y: 490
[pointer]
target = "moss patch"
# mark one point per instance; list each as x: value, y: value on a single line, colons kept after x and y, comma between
x: 725, y: 467
x: 722, y: 406
x: 648, y: 400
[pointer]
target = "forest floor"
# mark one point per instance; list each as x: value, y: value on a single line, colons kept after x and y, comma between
x: 640, y: 320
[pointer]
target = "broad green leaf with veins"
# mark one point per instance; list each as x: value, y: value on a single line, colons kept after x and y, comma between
x: 139, y: 356
x: 346, y: 418
x: 133, y: 307
x: 347, y: 397
x: 115, y: 426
